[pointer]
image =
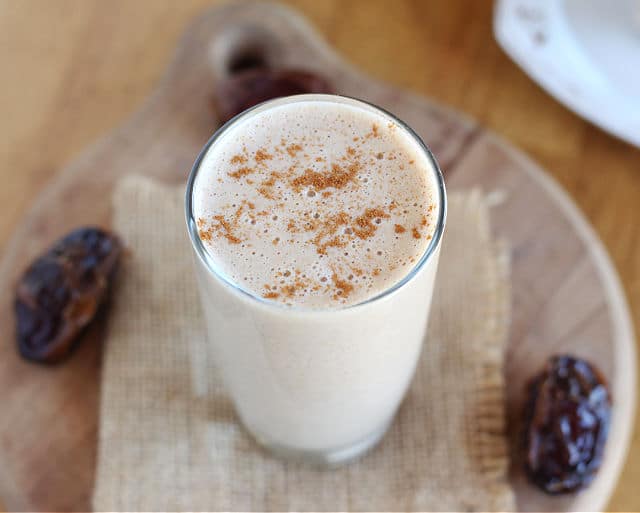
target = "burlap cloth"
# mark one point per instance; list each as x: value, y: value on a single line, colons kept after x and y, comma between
x: 169, y: 439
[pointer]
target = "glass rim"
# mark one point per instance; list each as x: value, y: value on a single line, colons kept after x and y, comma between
x: 207, y: 260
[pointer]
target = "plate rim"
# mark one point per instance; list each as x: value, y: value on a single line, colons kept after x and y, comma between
x: 534, y: 69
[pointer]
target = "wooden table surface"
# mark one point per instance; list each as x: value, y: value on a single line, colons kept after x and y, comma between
x: 74, y: 69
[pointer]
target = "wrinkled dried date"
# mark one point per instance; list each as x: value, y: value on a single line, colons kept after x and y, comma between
x: 61, y: 291
x: 566, y: 425
x: 248, y: 88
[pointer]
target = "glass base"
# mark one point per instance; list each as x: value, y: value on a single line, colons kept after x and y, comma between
x: 323, y: 459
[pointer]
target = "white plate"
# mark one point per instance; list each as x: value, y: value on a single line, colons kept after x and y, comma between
x: 585, y: 53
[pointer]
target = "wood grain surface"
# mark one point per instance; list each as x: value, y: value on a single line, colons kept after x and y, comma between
x: 73, y: 70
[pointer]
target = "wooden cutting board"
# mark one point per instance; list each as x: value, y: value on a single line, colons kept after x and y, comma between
x: 566, y: 295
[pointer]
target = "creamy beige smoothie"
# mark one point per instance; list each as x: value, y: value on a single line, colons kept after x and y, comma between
x: 316, y: 222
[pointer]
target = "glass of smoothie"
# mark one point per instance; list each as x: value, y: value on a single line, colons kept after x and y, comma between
x: 316, y: 223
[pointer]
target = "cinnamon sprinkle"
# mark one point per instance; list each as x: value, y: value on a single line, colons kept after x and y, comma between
x: 227, y: 229
x: 262, y: 155
x: 205, y: 235
x: 363, y: 227
x: 271, y: 295
x: 343, y: 286
x: 337, y: 178
x: 416, y: 233
x: 243, y: 171
x: 292, y: 149
x: 291, y: 289
x: 266, y: 187
x: 335, y: 242
x: 238, y: 159
x: 224, y: 227
x: 326, y: 237
x: 398, y: 228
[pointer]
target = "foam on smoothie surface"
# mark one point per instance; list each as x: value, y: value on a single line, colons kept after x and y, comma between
x: 316, y: 204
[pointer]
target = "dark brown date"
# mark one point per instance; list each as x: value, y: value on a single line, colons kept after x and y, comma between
x: 566, y: 425
x: 248, y: 88
x: 61, y: 291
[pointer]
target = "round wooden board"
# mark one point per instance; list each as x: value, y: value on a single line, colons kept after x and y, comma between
x: 566, y: 295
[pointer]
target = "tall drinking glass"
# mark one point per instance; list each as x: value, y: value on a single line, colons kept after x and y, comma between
x: 317, y: 384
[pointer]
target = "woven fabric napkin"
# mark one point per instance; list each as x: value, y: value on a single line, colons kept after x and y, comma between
x: 169, y: 439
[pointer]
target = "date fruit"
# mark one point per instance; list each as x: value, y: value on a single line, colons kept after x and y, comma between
x: 61, y: 291
x: 566, y: 425
x: 248, y: 88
